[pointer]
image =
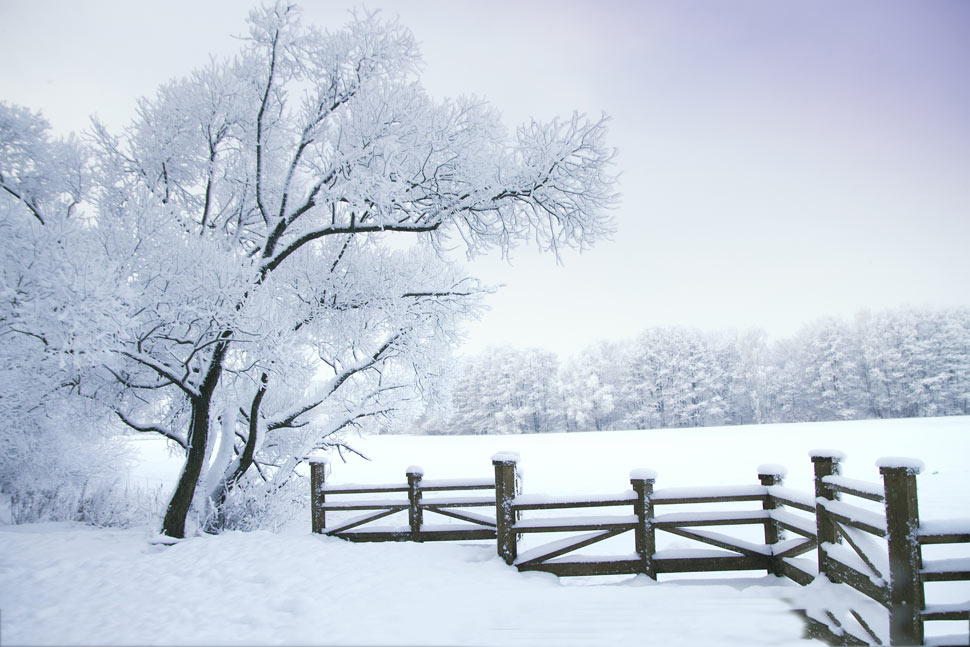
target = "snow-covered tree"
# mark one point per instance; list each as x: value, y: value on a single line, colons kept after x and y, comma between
x: 898, y: 363
x: 590, y: 383
x: 506, y: 390
x: 673, y: 380
x: 242, y: 221
x: 915, y: 363
x: 744, y: 363
x: 52, y: 434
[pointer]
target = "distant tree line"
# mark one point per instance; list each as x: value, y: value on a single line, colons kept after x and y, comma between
x: 895, y: 364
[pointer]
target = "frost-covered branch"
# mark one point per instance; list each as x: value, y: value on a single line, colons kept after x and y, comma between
x: 162, y: 370
x: 171, y: 435
x: 274, y: 262
x: 330, y: 387
x: 31, y: 206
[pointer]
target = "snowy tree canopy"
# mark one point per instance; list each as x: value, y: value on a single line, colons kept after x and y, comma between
x: 231, y: 284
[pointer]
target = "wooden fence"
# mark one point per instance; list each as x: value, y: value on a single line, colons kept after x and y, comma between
x: 871, y: 542
x: 408, y: 497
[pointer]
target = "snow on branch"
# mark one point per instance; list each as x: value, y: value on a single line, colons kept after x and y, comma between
x: 162, y: 370
x: 171, y: 435
x: 327, y: 389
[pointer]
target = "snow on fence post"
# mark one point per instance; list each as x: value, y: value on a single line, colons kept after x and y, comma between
x: 826, y: 464
x: 772, y: 475
x: 318, y: 477
x: 642, y: 481
x: 902, y: 526
x: 415, y: 474
x: 505, y: 464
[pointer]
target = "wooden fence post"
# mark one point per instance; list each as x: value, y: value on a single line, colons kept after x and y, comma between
x: 772, y: 475
x: 505, y: 464
x: 642, y: 481
x: 318, y: 477
x: 902, y: 524
x: 414, y: 501
x: 826, y: 464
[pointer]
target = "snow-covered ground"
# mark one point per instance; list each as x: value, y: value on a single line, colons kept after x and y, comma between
x: 69, y: 584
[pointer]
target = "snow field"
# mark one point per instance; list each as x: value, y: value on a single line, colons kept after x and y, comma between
x: 69, y: 584
x: 65, y: 584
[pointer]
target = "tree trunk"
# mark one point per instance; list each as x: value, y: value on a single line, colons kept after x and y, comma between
x: 178, y: 507
x: 247, y: 457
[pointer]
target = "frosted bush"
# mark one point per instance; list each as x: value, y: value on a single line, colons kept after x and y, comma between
x: 93, y: 504
x: 257, y: 506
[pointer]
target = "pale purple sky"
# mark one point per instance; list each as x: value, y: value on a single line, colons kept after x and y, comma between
x: 781, y: 161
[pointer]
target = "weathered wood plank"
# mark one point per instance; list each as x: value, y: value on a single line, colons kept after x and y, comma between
x: 342, y: 506
x: 710, y: 494
x: 581, y: 542
x: 645, y: 535
x: 902, y: 524
x: 860, y: 551
x: 793, y: 498
x: 773, y: 531
x: 422, y: 536
x: 528, y: 503
x: 506, y: 488
x: 795, y: 549
x: 415, y: 516
x: 458, y: 502
x: 710, y: 564
x: 945, y: 538
x: 367, y: 537
x: 360, y: 521
x: 318, y: 479
x: 572, y: 525
x: 959, y: 611
x: 481, y: 483
x: 579, y: 569
x: 707, y: 518
x: 945, y: 576
x: 795, y: 574
x: 449, y: 488
x: 944, y: 531
x: 854, y: 492
x: 861, y: 489
x: 463, y: 516
x: 860, y: 519
x: 842, y: 573
x: 362, y: 489
x: 722, y: 541
x: 456, y: 535
x: 798, y: 525
x: 825, y: 464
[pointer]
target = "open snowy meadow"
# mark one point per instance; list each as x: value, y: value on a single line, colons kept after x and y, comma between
x: 65, y: 583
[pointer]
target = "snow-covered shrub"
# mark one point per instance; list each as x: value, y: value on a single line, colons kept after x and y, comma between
x: 257, y: 507
x: 102, y: 505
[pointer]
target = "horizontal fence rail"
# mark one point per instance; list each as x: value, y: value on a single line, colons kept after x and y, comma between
x: 411, y: 498
x: 867, y: 536
x: 945, y: 570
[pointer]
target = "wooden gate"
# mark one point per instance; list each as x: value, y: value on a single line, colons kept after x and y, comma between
x: 411, y: 497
